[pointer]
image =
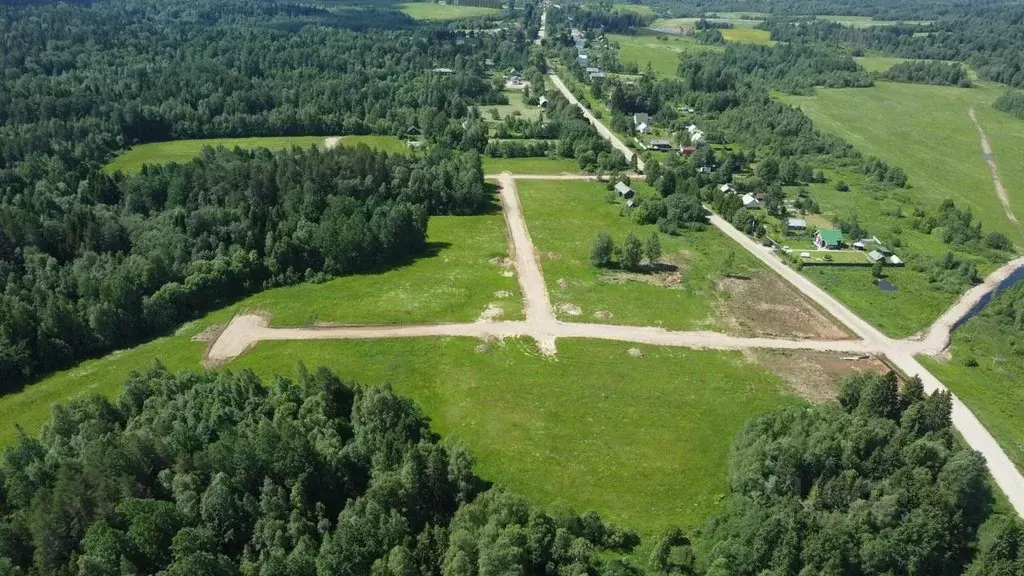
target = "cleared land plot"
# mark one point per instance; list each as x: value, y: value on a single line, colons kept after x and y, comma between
x: 688, y: 292
x: 663, y: 55
x: 994, y: 389
x: 748, y: 36
x: 455, y: 281
x: 184, y: 150
x: 926, y: 131
x: 865, y: 21
x: 635, y: 8
x: 432, y: 11
x: 730, y: 19
x: 530, y: 165
x: 515, y: 107
x: 644, y: 441
x: 878, y: 63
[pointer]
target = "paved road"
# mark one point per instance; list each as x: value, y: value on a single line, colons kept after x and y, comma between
x: 900, y: 353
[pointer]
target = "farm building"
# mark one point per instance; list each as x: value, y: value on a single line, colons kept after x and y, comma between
x: 542, y: 102
x: 750, y: 202
x: 828, y: 239
x: 624, y: 190
x: 660, y: 145
x: 687, y: 151
x: 895, y: 260
x: 875, y: 256
x: 796, y: 224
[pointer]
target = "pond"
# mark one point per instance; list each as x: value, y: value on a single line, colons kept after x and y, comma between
x: 885, y: 286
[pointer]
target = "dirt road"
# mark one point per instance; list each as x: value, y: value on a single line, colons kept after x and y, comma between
x: 562, y: 176
x: 937, y: 337
x: 601, y: 128
x: 986, y: 149
x: 900, y: 353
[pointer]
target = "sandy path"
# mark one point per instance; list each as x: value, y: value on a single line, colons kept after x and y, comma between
x: 543, y: 32
x: 986, y: 149
x: 937, y: 337
x: 601, y: 128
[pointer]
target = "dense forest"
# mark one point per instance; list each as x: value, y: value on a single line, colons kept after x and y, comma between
x: 928, y: 72
x: 222, y: 474
x: 1011, y: 101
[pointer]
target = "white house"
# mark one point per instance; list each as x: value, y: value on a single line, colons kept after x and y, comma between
x: 692, y: 128
x: 727, y: 189
x: 542, y: 102
x: 624, y: 190
x: 643, y: 128
x: 696, y: 137
x: 750, y: 202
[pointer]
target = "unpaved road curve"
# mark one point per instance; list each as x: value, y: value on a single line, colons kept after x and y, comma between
x: 900, y: 353
x: 986, y: 149
x: 937, y: 337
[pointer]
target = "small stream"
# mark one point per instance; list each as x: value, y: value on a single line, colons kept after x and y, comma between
x: 1008, y: 282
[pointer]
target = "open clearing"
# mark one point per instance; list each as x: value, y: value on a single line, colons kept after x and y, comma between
x: 515, y: 107
x: 687, y: 293
x: 733, y: 19
x: 635, y: 8
x: 663, y: 55
x: 180, y: 151
x: 748, y: 36
x: 926, y: 131
x: 865, y: 21
x: 530, y: 165
x: 878, y: 63
x: 432, y: 11
x: 454, y: 282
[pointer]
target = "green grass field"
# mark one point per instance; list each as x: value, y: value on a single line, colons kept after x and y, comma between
x: 994, y: 389
x: 453, y: 284
x: 926, y: 131
x: 635, y: 8
x: 515, y: 104
x: 865, y: 21
x: 565, y: 216
x: 878, y: 63
x: 530, y: 165
x: 181, y: 151
x: 432, y: 11
x: 663, y: 55
x: 733, y: 19
x: 748, y: 36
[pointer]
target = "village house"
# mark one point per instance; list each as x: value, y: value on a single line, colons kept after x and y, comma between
x: 592, y: 69
x: 660, y: 145
x: 687, y: 151
x: 750, y: 202
x: 643, y: 128
x: 624, y: 190
x: 542, y: 102
x: 582, y: 60
x: 727, y: 188
x: 596, y: 75
x: 640, y: 118
x: 828, y: 239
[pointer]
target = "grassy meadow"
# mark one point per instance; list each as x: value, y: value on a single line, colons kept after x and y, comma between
x: 994, y: 389
x: 565, y: 216
x: 663, y: 55
x: 734, y: 19
x: 878, y: 63
x: 747, y: 36
x: 926, y: 131
x: 515, y: 106
x: 865, y: 21
x: 635, y: 8
x: 530, y: 165
x: 181, y: 151
x: 432, y: 11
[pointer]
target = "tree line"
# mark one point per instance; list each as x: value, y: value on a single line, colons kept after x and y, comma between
x: 928, y: 72
x: 225, y: 475
x: 132, y: 256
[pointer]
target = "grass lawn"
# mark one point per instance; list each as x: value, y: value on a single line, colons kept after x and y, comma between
x: 994, y: 389
x: 865, y: 21
x: 663, y: 55
x: 180, y: 151
x: 530, y: 165
x: 748, y: 36
x: 565, y: 216
x: 926, y: 131
x: 455, y: 283
x: 515, y: 104
x: 635, y: 8
x: 432, y: 11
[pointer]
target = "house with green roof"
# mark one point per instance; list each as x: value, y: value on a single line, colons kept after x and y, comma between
x: 828, y: 239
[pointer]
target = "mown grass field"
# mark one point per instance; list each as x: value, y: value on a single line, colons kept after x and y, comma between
x: 926, y: 131
x: 635, y: 8
x: 732, y: 18
x: 454, y: 282
x: 994, y: 389
x: 565, y: 216
x: 878, y: 63
x: 747, y: 36
x: 530, y: 165
x: 663, y: 55
x: 181, y: 151
x: 432, y: 11
x: 865, y: 21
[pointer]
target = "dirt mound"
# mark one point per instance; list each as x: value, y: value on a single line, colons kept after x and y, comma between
x: 603, y: 315
x: 554, y: 256
x: 482, y: 348
x: 502, y: 294
x: 815, y: 375
x: 636, y: 353
x: 563, y: 283
x: 570, y: 309
x: 503, y: 262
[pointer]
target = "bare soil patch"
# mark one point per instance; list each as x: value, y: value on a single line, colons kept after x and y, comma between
x: 814, y: 375
x: 563, y: 283
x: 502, y: 294
x: 603, y: 315
x: 636, y: 353
x: 492, y: 312
x: 765, y: 305
x: 570, y: 309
